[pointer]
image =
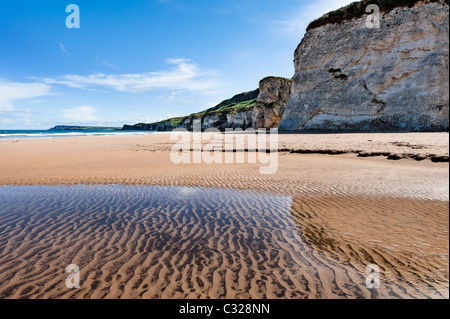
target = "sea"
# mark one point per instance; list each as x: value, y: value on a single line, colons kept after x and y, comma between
x: 38, y: 134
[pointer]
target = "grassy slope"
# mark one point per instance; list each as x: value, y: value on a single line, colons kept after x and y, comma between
x: 225, y: 109
x: 240, y: 103
x: 358, y: 9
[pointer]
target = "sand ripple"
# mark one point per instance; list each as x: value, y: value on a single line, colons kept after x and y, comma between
x: 183, y: 242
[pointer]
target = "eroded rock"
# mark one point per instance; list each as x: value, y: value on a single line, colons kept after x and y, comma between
x: 274, y: 94
x: 349, y: 77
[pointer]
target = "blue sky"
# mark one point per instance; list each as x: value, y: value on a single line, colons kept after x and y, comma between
x: 141, y: 61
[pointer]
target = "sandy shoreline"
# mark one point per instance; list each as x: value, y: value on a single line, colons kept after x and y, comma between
x: 307, y: 231
x: 145, y: 160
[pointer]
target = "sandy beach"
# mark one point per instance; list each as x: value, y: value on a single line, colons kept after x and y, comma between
x: 228, y: 157
x: 145, y: 160
x: 225, y: 230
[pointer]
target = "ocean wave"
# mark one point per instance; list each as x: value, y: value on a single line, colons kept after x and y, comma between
x: 33, y: 135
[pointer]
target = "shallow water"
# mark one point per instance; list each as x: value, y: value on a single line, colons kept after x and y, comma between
x: 180, y: 242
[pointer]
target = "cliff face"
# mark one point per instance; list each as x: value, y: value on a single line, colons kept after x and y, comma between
x: 273, y: 97
x: 223, y: 120
x: 236, y: 112
x: 395, y: 78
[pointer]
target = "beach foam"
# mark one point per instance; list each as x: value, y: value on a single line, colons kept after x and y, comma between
x: 23, y: 135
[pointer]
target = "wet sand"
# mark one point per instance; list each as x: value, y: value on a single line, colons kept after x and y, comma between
x: 168, y: 242
x: 145, y: 160
x: 308, y: 231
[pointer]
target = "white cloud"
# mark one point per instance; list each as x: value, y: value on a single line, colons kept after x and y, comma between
x: 6, y: 120
x: 185, y: 75
x: 19, y: 118
x: 6, y: 107
x: 296, y: 24
x: 63, y: 48
x: 172, y: 97
x: 110, y: 65
x: 26, y: 116
x: 11, y: 91
x: 107, y: 63
x: 168, y: 116
x: 80, y: 114
x: 177, y: 61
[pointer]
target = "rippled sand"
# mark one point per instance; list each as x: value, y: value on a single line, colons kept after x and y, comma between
x: 186, y: 242
x: 225, y: 231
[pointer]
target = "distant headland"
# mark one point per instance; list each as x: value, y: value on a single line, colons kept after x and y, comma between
x: 84, y: 128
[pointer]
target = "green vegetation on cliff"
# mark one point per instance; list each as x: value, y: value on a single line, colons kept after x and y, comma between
x: 239, y: 103
x: 221, y: 110
x: 228, y: 108
x: 358, y: 9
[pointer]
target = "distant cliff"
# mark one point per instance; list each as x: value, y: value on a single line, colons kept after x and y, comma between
x: 349, y: 77
x: 231, y: 113
x: 83, y: 128
x: 261, y: 108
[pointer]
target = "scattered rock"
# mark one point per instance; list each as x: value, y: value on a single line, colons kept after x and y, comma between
x: 364, y: 154
x: 439, y: 159
x: 418, y: 157
x: 394, y: 157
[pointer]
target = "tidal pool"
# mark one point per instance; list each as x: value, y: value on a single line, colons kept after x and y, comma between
x: 181, y: 242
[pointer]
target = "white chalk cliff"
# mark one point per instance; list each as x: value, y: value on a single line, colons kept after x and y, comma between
x: 349, y: 77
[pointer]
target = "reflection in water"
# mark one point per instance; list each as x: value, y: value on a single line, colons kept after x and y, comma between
x: 178, y: 242
x: 407, y: 239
